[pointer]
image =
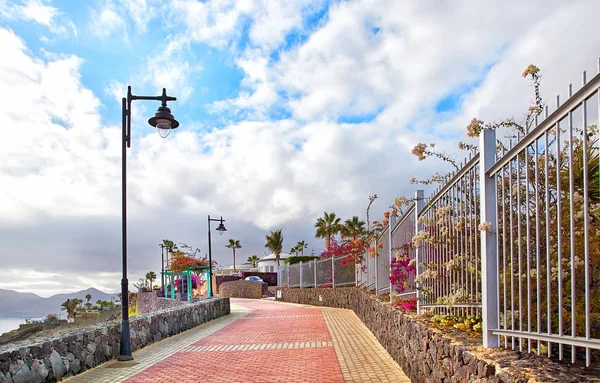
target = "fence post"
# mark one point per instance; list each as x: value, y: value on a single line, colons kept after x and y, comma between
x: 300, y: 274
x: 332, y: 271
x: 287, y: 269
x: 489, y: 258
x: 419, y: 203
x: 315, y: 270
x: 376, y: 266
x: 392, y: 223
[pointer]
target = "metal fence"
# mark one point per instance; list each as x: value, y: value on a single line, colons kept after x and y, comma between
x: 327, y: 272
x: 382, y: 263
x: 512, y: 236
x: 545, y: 238
x: 448, y: 246
x: 402, y: 233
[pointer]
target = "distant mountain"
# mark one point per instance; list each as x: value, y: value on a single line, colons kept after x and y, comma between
x: 27, y: 305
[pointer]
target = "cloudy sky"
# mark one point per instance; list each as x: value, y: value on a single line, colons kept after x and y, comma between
x: 287, y: 109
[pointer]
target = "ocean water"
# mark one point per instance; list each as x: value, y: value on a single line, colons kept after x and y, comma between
x: 8, y: 324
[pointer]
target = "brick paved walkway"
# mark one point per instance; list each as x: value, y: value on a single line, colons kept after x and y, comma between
x: 261, y: 341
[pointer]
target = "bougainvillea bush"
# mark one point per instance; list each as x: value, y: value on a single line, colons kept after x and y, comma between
x: 196, y: 282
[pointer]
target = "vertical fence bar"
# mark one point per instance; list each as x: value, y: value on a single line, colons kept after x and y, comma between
x: 559, y: 236
x: 419, y: 203
x: 489, y: 259
x: 301, y: 272
x: 392, y: 223
x: 519, y: 244
x: 315, y: 271
x: 572, y: 227
x: 538, y: 255
x: 548, y: 260
x: 376, y: 264
x: 333, y: 271
x: 528, y: 248
x: 586, y: 223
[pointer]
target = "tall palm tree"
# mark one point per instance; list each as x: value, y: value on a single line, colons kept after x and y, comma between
x: 275, y: 243
x: 301, y: 245
x: 327, y: 227
x: 234, y: 244
x: 151, y: 276
x: 88, y: 297
x: 253, y: 259
x: 294, y: 250
x: 353, y: 227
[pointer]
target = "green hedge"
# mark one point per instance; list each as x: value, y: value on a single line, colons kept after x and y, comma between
x: 299, y: 258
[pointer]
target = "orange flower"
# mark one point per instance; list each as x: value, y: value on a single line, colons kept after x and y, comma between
x: 386, y: 215
x: 380, y: 245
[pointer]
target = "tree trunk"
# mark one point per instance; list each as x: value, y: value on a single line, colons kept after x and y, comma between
x: 234, y: 259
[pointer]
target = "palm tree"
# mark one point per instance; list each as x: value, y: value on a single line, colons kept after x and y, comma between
x: 353, y: 227
x: 301, y: 245
x: 88, y: 297
x: 294, y: 250
x: 253, y: 259
x: 234, y: 244
x: 71, y: 306
x: 151, y: 276
x: 275, y: 243
x: 327, y: 226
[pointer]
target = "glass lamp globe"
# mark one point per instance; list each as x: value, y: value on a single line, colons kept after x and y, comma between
x: 163, y: 126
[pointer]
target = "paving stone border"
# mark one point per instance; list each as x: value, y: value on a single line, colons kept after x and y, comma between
x: 52, y: 358
x: 429, y: 354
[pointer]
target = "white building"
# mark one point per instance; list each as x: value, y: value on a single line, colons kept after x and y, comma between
x: 268, y: 263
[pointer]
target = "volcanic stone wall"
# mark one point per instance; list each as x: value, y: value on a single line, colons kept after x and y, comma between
x: 53, y: 358
x: 433, y: 354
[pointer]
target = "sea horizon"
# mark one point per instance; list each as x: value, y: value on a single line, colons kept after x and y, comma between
x: 9, y: 324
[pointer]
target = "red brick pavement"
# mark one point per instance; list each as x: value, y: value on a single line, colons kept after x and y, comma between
x: 268, y: 324
x: 317, y: 365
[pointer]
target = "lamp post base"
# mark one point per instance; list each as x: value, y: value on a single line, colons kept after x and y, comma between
x: 125, y: 344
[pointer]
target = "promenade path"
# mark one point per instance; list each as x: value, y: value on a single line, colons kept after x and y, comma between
x: 261, y: 341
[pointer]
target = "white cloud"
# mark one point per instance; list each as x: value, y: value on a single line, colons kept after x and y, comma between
x: 58, y: 122
x: 37, y: 11
x: 42, y: 13
x: 107, y: 22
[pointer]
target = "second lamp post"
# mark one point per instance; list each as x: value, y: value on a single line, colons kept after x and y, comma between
x: 221, y: 229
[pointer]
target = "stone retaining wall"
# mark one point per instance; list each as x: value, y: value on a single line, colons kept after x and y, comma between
x: 150, y: 302
x: 243, y: 289
x: 69, y: 353
x: 428, y: 353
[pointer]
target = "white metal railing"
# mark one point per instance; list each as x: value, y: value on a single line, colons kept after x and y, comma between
x: 326, y: 272
x: 403, y: 232
x: 546, y: 223
x: 513, y: 236
x: 449, y: 249
x: 382, y: 262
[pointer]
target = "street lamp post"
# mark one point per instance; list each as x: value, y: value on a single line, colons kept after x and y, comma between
x: 221, y: 229
x: 163, y: 121
x: 162, y: 267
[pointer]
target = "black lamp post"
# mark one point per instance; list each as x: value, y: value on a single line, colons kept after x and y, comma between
x: 164, y: 121
x: 162, y: 267
x: 221, y: 229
